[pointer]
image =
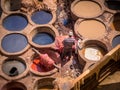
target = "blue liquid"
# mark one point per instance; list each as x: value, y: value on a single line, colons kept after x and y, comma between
x: 41, y: 17
x: 14, y: 43
x: 43, y: 39
x: 116, y: 41
x: 15, y: 23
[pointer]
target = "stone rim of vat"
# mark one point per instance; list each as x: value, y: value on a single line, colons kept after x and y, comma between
x: 15, y: 53
x: 52, y: 30
x: 14, y: 84
x: 97, y: 43
x: 18, y: 14
x: 23, y: 74
x: 50, y: 22
x: 38, y: 81
x: 77, y: 23
x: 3, y: 6
x: 94, y: 1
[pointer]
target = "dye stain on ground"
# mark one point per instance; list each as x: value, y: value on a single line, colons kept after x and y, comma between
x: 43, y: 38
x: 15, y: 22
x: 116, y: 41
x: 13, y: 43
x: 13, y: 68
x: 41, y: 17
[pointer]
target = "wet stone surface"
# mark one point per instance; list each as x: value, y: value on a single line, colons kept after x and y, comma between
x: 13, y: 43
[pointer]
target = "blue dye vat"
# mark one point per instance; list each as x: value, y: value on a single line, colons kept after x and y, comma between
x: 116, y: 41
x: 13, y: 43
x: 15, y: 22
x: 41, y: 17
x: 43, y: 38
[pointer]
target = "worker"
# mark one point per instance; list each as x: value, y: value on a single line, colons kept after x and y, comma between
x: 45, y: 60
x: 68, y: 47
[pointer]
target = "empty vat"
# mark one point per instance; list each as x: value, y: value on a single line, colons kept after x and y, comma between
x: 15, y: 22
x: 44, y: 84
x: 13, y: 43
x: 42, y: 17
x: 116, y: 41
x: 86, y: 9
x: 90, y: 28
x: 14, y: 86
x: 13, y: 67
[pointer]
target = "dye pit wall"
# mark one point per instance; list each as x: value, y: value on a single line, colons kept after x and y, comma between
x: 20, y: 31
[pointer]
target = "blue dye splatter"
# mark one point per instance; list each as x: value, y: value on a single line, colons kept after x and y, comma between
x: 116, y: 41
x: 41, y: 17
x: 15, y: 23
x: 43, y: 38
x: 13, y: 43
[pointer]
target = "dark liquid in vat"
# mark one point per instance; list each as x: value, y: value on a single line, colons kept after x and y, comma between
x: 116, y: 41
x: 113, y: 4
x: 15, y: 23
x: 15, y: 88
x: 43, y: 38
x: 14, y: 43
x: 41, y: 17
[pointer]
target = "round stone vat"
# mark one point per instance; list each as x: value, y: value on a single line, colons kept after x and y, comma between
x: 13, y: 67
x: 116, y: 41
x: 43, y: 17
x: 93, y: 50
x: 90, y: 29
x: 86, y: 9
x: 43, y: 67
x: 14, y: 43
x: 14, y: 86
x: 43, y: 36
x: 44, y: 84
x: 113, y: 4
x: 11, y: 5
x: 15, y: 22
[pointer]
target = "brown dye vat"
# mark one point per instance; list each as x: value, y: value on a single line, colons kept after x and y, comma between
x: 91, y: 29
x: 45, y: 84
x: 116, y: 22
x: 14, y: 86
x: 86, y: 9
